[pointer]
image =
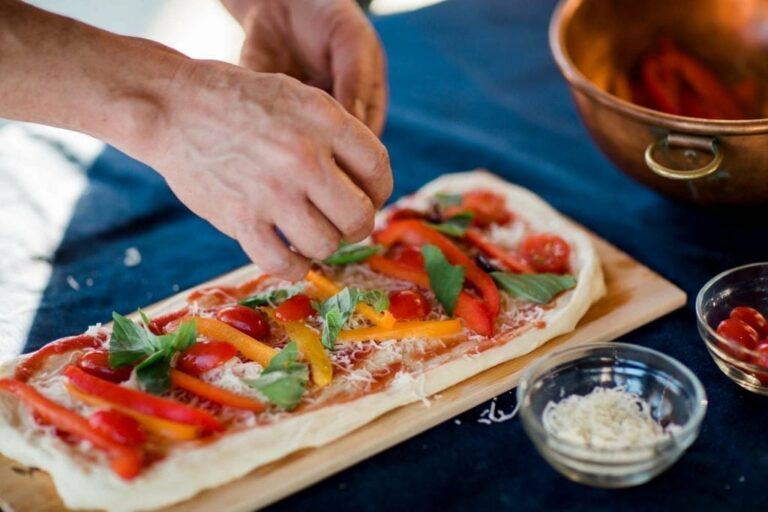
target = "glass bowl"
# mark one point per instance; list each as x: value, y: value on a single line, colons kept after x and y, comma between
x: 741, y: 286
x: 674, y: 393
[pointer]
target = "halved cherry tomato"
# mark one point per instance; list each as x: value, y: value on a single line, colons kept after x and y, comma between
x: 36, y: 360
x: 118, y: 426
x: 409, y: 256
x: 251, y: 322
x: 96, y: 362
x: 546, y: 253
x: 298, y: 307
x: 158, y: 324
x: 408, y: 305
x: 738, y: 332
x: 488, y: 208
x: 751, y: 317
x: 204, y: 356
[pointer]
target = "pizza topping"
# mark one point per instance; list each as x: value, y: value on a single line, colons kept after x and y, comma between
x: 96, y: 362
x: 35, y: 361
x: 347, y: 254
x: 120, y: 427
x: 214, y: 394
x: 125, y: 461
x: 311, y: 347
x: 272, y: 298
x: 245, y: 319
x: 327, y: 288
x: 446, y: 280
x: 487, y: 207
x: 141, y: 402
x: 546, y: 253
x: 408, y: 305
x: 205, y: 356
x: 336, y: 311
x: 403, y: 330
x: 455, y: 225
x: 298, y: 307
x: 537, y: 288
x: 249, y: 347
x: 284, y: 380
x: 475, y: 314
x: 510, y: 260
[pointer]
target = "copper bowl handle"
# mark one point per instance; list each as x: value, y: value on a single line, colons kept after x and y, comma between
x: 684, y: 141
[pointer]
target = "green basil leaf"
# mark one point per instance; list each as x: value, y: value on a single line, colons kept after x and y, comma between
x: 333, y: 321
x: 448, y: 199
x: 455, y: 226
x: 537, y: 288
x: 128, y: 342
x: 377, y: 299
x: 154, y: 373
x: 284, y: 380
x: 445, y: 279
x: 335, y: 311
x: 347, y: 254
x: 182, y: 338
x: 272, y: 298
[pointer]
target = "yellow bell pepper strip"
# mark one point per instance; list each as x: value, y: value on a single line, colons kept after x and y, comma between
x: 170, y: 430
x: 250, y: 347
x: 311, y: 347
x: 327, y: 288
x: 425, y: 329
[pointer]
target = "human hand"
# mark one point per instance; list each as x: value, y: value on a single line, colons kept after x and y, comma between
x: 329, y: 44
x: 251, y: 152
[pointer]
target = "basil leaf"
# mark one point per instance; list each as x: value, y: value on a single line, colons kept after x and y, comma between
x: 182, y: 338
x: 377, y: 299
x: 154, y: 373
x: 455, y: 226
x: 537, y: 288
x: 347, y: 254
x: 448, y: 199
x: 272, y: 298
x: 335, y: 311
x: 445, y: 279
x: 128, y: 342
x: 284, y: 380
x: 333, y: 321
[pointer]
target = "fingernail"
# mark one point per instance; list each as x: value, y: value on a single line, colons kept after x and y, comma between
x: 358, y: 109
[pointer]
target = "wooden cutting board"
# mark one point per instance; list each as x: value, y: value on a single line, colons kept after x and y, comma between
x: 636, y: 296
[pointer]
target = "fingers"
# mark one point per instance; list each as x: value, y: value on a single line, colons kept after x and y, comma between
x: 269, y: 252
x: 365, y: 159
x: 343, y: 203
x: 377, y: 104
x: 307, y: 229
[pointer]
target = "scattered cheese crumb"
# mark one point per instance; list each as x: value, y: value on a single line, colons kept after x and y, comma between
x: 492, y: 415
x: 89, y: 281
x: 604, y: 418
x: 72, y: 282
x: 175, y: 287
x: 457, y: 421
x: 132, y: 257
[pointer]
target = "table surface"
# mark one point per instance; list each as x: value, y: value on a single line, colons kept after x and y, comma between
x: 472, y: 85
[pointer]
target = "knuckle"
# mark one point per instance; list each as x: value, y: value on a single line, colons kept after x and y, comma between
x: 361, y: 224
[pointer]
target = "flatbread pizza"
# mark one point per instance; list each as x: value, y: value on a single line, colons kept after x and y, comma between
x: 467, y: 273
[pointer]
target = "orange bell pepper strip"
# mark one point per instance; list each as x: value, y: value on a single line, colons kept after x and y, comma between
x: 170, y: 430
x: 507, y: 258
x: 214, y: 394
x: 416, y: 232
x: 328, y: 288
x: 425, y: 329
x: 312, y: 349
x: 250, y: 347
x: 124, y: 460
x: 141, y: 402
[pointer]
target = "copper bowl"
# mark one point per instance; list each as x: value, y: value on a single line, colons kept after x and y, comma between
x: 691, y: 159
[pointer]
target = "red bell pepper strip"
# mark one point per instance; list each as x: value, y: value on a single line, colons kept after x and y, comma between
x: 662, y: 86
x: 125, y: 461
x: 157, y: 325
x: 473, y: 311
x: 510, y: 260
x: 214, y: 394
x: 142, y: 402
x: 32, y: 364
x: 415, y: 232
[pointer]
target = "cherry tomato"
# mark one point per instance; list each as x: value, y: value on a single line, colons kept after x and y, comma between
x: 96, y: 362
x: 762, y: 358
x: 487, y: 206
x: 408, y: 305
x: 738, y: 332
x: 298, y: 307
x: 204, y: 356
x: 409, y: 256
x: 118, y: 426
x: 751, y: 317
x: 251, y: 322
x: 546, y: 253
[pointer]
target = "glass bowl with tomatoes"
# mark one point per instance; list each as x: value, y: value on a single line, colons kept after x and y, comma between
x: 730, y: 312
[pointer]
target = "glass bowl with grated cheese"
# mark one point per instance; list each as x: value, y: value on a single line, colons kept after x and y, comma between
x: 610, y: 415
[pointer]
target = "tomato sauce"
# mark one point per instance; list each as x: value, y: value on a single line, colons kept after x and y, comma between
x: 32, y: 364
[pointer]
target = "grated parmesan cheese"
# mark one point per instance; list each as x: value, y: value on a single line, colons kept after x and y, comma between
x: 606, y: 418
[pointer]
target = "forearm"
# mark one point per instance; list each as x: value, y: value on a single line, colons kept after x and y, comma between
x: 59, y: 72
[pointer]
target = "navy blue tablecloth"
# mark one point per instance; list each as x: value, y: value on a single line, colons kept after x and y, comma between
x: 472, y: 84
